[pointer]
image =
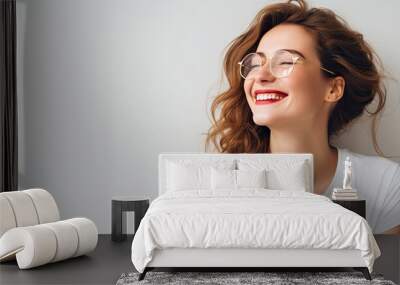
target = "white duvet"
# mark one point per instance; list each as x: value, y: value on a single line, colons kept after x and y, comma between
x: 250, y: 218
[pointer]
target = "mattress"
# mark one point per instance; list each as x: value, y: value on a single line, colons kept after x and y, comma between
x: 250, y: 219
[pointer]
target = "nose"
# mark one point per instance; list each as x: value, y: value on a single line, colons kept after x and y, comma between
x: 264, y: 74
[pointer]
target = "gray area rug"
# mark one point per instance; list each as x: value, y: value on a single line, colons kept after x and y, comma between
x: 229, y: 278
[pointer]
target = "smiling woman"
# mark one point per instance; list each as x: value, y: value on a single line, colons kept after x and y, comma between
x: 297, y: 77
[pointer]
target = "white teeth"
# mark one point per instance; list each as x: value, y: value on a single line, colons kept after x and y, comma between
x: 269, y: 96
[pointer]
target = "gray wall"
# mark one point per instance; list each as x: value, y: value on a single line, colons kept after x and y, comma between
x: 105, y: 86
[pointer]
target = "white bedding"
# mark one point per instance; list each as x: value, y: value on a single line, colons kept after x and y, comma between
x: 250, y: 218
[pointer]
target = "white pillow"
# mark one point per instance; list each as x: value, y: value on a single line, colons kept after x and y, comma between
x: 223, y: 179
x: 183, y: 177
x: 189, y: 174
x: 237, y: 179
x: 281, y: 174
x: 290, y: 179
x: 251, y: 178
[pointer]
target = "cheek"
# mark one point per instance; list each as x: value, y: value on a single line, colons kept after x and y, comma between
x: 307, y: 94
x: 247, y: 86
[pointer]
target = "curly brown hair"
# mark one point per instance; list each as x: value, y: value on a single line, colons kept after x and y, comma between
x: 339, y: 48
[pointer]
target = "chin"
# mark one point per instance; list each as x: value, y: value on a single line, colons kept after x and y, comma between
x: 263, y: 121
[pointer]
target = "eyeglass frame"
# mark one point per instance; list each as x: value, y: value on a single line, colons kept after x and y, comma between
x: 295, y: 58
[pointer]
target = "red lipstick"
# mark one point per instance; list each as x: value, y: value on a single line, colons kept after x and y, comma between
x: 265, y: 101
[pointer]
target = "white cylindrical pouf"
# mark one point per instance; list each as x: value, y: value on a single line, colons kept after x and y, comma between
x: 45, y: 205
x: 23, y: 208
x: 87, y: 232
x: 7, y: 218
x: 33, y: 245
x: 67, y: 239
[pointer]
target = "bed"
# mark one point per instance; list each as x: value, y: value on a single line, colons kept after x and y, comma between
x: 246, y: 211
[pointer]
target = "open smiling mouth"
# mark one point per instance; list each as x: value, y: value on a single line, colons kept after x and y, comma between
x: 271, y: 98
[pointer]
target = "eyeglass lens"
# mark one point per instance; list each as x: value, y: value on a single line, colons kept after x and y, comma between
x: 280, y: 66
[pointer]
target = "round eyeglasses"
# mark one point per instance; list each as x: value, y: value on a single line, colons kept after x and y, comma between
x: 281, y: 64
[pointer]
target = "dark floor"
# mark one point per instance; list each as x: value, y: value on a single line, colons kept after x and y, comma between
x: 111, y: 259
x: 103, y: 266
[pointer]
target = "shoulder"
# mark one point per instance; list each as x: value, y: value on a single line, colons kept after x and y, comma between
x: 377, y: 180
x: 371, y: 172
x: 371, y: 163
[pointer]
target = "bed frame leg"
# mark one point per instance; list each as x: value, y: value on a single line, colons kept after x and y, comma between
x: 143, y: 274
x: 364, y: 271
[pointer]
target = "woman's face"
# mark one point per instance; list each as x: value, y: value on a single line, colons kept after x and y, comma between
x: 304, y: 107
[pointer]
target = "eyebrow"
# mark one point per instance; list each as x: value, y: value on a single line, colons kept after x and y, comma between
x: 295, y: 51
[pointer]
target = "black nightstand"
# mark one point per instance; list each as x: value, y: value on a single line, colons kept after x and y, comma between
x: 121, y: 204
x: 357, y: 206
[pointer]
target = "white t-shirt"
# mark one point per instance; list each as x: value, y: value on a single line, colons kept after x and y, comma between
x: 377, y: 180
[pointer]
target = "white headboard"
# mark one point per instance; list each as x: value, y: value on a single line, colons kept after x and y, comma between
x: 163, y: 158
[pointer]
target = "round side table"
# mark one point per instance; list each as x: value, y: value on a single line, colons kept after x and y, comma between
x: 120, y: 204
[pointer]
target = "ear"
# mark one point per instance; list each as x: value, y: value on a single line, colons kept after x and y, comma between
x: 336, y: 89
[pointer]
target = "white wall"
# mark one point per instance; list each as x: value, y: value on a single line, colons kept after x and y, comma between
x: 104, y: 86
